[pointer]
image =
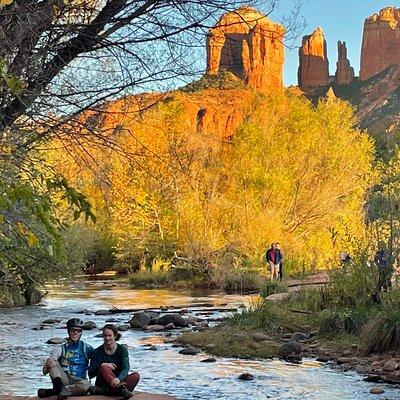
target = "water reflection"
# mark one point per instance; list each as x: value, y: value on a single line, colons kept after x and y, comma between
x: 22, y: 351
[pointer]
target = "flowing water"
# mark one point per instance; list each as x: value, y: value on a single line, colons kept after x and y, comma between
x: 23, y: 351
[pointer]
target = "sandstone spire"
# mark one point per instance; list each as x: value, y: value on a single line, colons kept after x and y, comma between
x: 313, y: 69
x: 246, y: 43
x: 381, y: 42
x: 344, y: 72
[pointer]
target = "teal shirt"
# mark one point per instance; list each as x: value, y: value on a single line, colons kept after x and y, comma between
x: 120, y: 358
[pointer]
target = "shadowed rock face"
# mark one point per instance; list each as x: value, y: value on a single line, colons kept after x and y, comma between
x: 313, y: 68
x: 344, y: 72
x: 246, y: 43
x: 381, y: 42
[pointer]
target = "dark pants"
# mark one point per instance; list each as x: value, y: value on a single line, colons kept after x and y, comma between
x: 106, y: 375
x: 280, y: 270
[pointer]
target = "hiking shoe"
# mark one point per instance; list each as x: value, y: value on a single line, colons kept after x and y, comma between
x: 125, y: 393
x: 97, y: 390
x: 43, y: 393
x: 64, y: 394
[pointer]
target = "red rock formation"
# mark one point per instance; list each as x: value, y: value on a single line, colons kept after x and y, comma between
x: 246, y: 43
x: 381, y: 42
x: 344, y: 72
x: 313, y: 69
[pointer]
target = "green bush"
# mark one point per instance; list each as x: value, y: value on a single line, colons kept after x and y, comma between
x: 350, y: 321
x: 270, y: 317
x: 382, y: 332
x: 269, y: 288
x: 147, y: 278
x: 223, y: 80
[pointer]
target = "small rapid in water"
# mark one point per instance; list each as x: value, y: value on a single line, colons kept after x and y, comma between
x: 23, y: 351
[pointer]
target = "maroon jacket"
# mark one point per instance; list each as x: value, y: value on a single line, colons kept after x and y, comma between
x: 271, y: 255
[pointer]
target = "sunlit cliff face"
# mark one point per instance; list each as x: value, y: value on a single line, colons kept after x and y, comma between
x: 246, y: 43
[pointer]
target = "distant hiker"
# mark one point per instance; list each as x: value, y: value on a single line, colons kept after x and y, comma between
x: 68, y: 365
x: 382, y: 264
x: 279, y: 259
x: 110, y: 366
x: 345, y: 258
x: 272, y: 257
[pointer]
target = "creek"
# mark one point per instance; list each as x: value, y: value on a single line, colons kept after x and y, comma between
x: 23, y: 351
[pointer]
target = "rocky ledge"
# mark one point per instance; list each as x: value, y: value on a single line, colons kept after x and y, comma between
x: 137, y: 396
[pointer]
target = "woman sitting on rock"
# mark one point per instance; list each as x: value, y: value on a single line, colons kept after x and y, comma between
x: 110, y: 365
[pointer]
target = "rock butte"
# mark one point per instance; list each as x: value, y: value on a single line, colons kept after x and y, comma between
x: 344, y: 72
x: 381, y: 42
x: 246, y: 43
x: 313, y: 67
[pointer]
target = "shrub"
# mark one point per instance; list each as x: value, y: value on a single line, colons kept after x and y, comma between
x: 223, y: 80
x: 351, y: 321
x: 147, y: 278
x: 382, y: 332
x: 269, y: 288
x: 269, y: 317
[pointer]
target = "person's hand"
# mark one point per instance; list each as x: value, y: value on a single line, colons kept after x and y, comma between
x: 50, y: 363
x: 109, y: 365
x: 114, y: 383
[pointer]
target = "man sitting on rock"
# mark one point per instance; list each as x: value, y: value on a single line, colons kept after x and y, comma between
x: 68, y: 365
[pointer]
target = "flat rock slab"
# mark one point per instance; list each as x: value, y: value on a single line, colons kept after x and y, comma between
x: 137, y: 396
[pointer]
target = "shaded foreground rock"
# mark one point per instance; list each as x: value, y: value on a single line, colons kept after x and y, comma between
x: 138, y: 396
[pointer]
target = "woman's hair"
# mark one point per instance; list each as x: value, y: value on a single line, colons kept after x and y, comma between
x: 114, y: 330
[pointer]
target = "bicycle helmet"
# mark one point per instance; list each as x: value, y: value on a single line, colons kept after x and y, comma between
x: 74, y: 323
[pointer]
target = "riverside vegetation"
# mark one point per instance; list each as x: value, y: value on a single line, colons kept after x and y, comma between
x: 340, y: 321
x: 186, y: 208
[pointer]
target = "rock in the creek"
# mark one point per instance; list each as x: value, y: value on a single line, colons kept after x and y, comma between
x: 155, y: 321
x: 152, y: 348
x: 103, y: 312
x: 189, y: 351
x: 85, y: 311
x: 55, y: 340
x: 361, y: 369
x: 377, y: 390
x: 246, y: 376
x: 111, y: 320
x: 184, y: 311
x: 174, y: 318
x: 140, y: 320
x: 259, y: 337
x: 289, y: 348
x: 209, y: 360
x: 123, y: 327
x: 322, y: 359
x: 191, y: 320
x: 89, y: 325
x: 293, y: 358
x: 51, y: 321
x: 343, y: 360
x: 169, y: 326
x: 298, y: 336
x: 39, y: 328
x: 155, y: 328
x: 390, y: 365
x: 99, y: 335
x: 152, y: 314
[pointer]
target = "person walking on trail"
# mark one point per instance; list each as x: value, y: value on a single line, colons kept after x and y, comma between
x: 279, y: 259
x: 110, y: 366
x: 273, y: 261
x: 68, y: 365
x: 384, y: 270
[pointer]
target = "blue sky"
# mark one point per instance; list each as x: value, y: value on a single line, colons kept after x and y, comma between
x: 340, y: 19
